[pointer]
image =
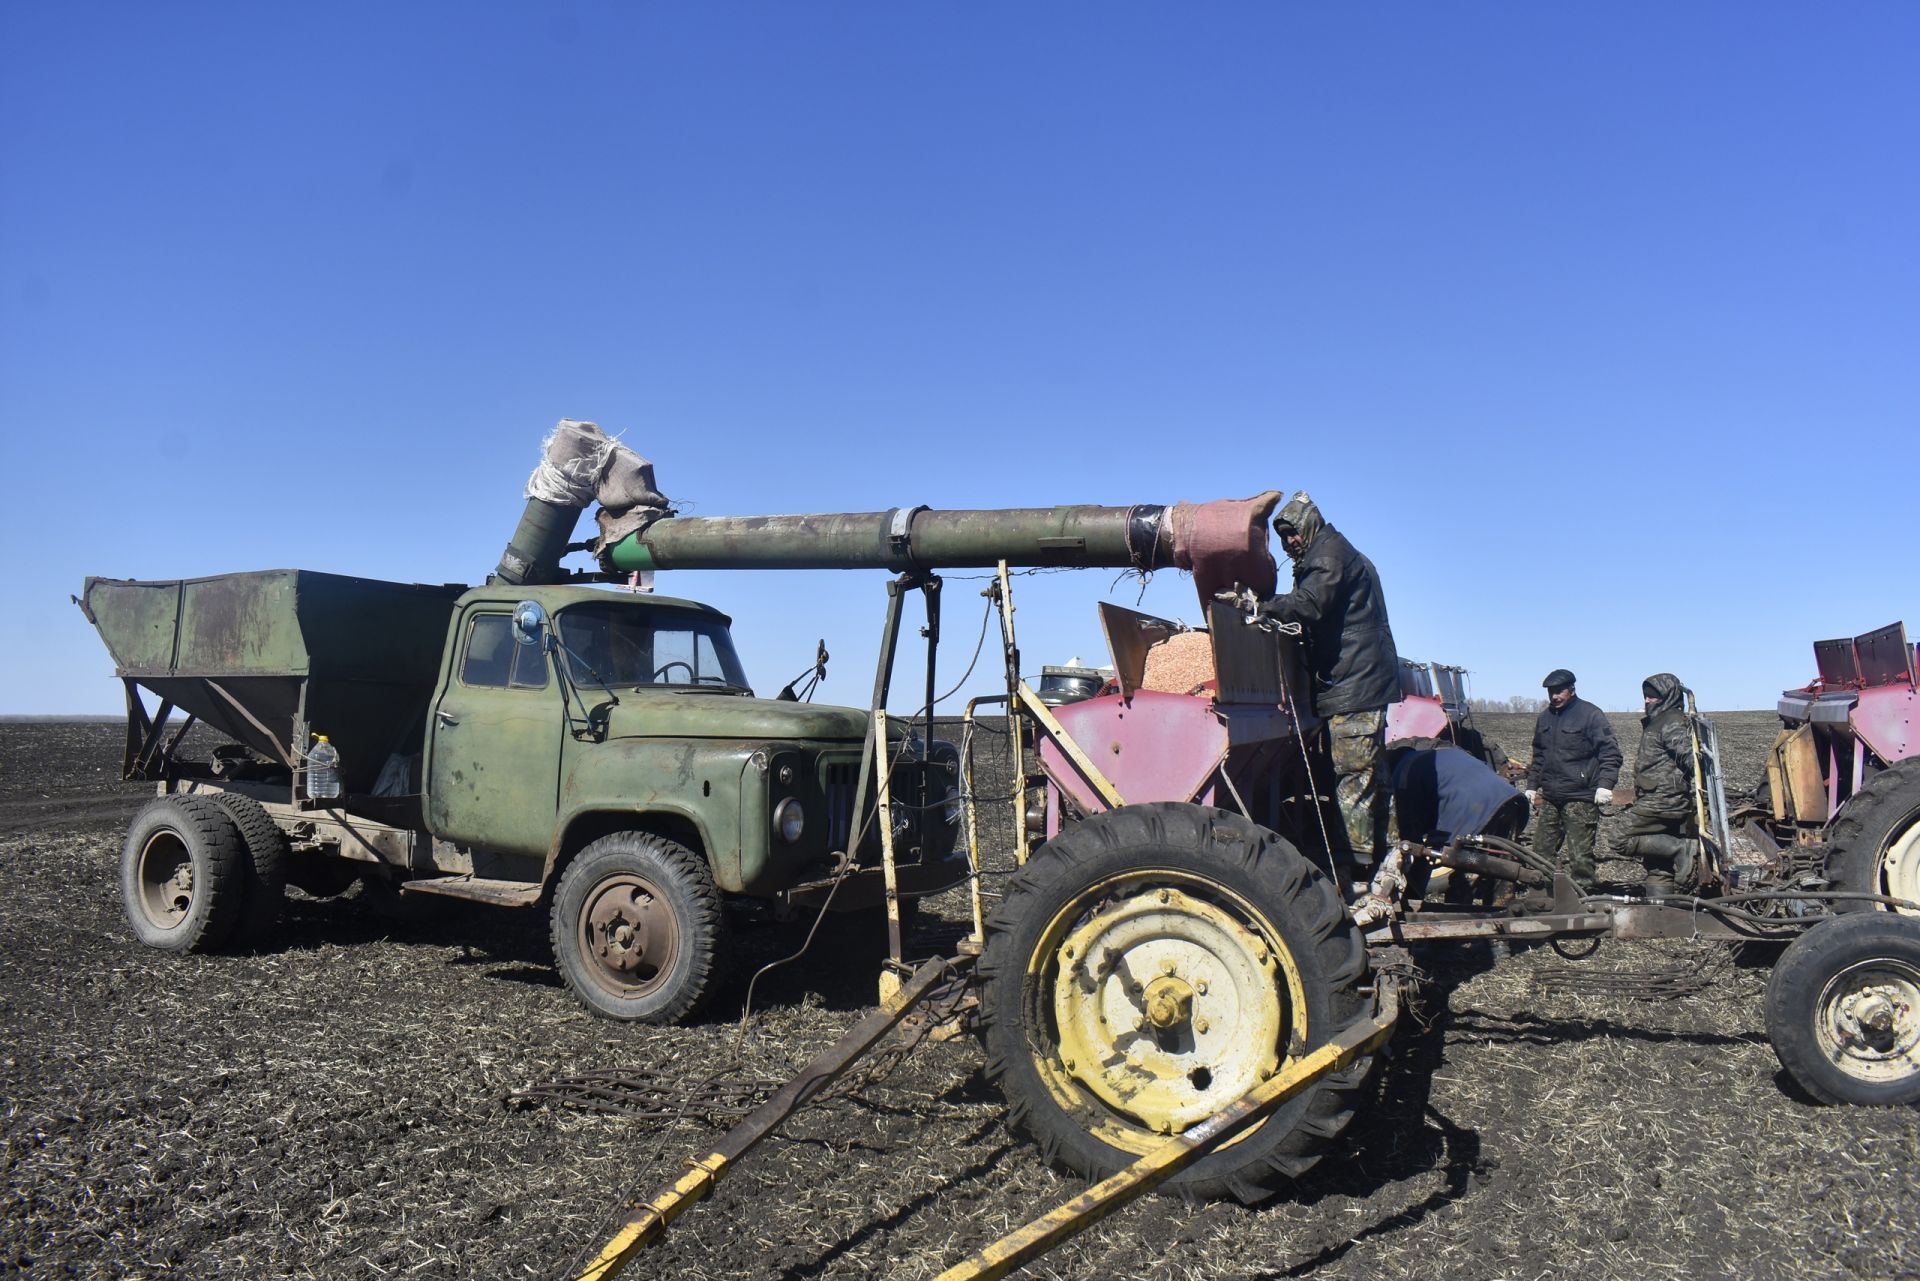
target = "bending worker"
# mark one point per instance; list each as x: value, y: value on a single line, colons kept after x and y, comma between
x: 1662, y: 830
x: 1342, y: 613
x: 1576, y: 762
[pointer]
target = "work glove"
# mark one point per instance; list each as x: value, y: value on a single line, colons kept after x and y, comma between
x: 1603, y: 796
x: 1533, y: 797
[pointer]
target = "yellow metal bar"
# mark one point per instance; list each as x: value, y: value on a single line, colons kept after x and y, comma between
x: 647, y: 1222
x: 883, y: 815
x: 973, y: 817
x: 1064, y: 741
x: 1702, y: 814
x: 1026, y: 1244
x: 651, y: 1219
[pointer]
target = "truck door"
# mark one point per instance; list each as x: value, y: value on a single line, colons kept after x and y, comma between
x: 493, y: 749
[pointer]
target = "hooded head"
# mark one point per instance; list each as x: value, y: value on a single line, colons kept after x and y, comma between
x: 1298, y: 524
x: 1662, y: 693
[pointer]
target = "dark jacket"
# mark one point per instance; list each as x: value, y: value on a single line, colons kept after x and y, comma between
x: 1663, y: 771
x: 1574, y: 752
x: 1342, y: 612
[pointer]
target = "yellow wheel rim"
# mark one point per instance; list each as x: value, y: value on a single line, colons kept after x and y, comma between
x: 1169, y: 997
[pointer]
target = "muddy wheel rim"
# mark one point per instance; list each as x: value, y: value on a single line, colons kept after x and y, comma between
x: 1900, y: 865
x: 1868, y: 1020
x: 1164, y: 998
x: 166, y: 880
x: 628, y: 936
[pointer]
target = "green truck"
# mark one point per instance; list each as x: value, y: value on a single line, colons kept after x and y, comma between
x: 597, y: 752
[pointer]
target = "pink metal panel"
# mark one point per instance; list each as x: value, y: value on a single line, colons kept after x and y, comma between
x: 1159, y: 747
x: 1415, y: 717
x: 1885, y: 717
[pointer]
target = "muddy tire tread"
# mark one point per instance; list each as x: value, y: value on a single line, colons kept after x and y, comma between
x: 268, y: 854
x: 1866, y: 823
x: 219, y: 853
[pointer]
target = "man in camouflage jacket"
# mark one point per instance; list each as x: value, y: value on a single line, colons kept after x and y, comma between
x: 1342, y: 614
x: 1662, y: 830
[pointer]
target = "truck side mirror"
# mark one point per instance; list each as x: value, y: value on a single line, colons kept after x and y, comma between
x: 530, y: 624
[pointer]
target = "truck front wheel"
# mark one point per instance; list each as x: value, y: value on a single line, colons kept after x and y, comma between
x: 182, y: 874
x: 637, y: 929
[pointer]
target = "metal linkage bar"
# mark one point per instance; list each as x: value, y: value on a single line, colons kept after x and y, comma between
x: 648, y: 1222
x: 1156, y: 1167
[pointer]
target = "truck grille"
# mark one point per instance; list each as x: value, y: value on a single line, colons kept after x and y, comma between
x: 841, y: 780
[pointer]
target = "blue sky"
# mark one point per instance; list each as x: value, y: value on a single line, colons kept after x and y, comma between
x: 1595, y: 326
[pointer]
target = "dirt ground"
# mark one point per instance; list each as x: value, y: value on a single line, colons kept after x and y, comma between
x: 337, y: 1105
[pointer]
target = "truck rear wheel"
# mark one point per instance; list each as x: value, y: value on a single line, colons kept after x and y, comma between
x: 1151, y: 965
x: 265, y: 882
x: 1843, y: 1010
x: 182, y: 873
x: 637, y: 929
x: 1876, y: 842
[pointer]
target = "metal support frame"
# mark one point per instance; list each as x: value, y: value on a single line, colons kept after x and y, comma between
x: 1002, y: 590
x: 146, y: 756
x: 972, y: 812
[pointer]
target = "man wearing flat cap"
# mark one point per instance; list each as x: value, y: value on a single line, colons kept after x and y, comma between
x: 1576, y: 762
x: 1342, y: 614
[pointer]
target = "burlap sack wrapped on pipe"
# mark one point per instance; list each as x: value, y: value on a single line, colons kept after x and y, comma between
x: 580, y: 464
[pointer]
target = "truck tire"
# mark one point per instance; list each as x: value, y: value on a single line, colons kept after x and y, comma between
x: 637, y: 927
x: 265, y: 884
x: 1204, y: 950
x: 182, y: 874
x: 1876, y: 841
x: 1843, y: 1009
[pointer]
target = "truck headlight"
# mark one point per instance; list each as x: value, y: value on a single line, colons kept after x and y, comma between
x: 789, y: 820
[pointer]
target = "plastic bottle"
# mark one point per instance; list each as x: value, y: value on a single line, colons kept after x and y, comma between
x: 323, y: 769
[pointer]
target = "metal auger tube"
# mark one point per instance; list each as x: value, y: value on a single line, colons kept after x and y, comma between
x: 904, y: 540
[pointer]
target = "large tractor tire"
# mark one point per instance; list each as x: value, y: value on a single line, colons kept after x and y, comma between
x: 1876, y: 842
x: 1843, y: 1009
x: 268, y: 854
x: 1151, y: 965
x: 183, y: 874
x: 637, y: 927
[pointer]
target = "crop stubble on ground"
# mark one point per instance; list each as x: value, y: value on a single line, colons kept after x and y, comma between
x: 335, y: 1107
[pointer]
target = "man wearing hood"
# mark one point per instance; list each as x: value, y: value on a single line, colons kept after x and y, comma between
x: 1662, y: 828
x: 1337, y: 604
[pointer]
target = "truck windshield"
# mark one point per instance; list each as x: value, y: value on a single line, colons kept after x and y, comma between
x: 635, y: 645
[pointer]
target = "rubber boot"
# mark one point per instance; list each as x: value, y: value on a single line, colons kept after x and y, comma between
x: 1659, y: 883
x: 1686, y: 860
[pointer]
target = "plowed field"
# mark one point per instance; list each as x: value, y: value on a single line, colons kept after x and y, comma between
x: 337, y: 1105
